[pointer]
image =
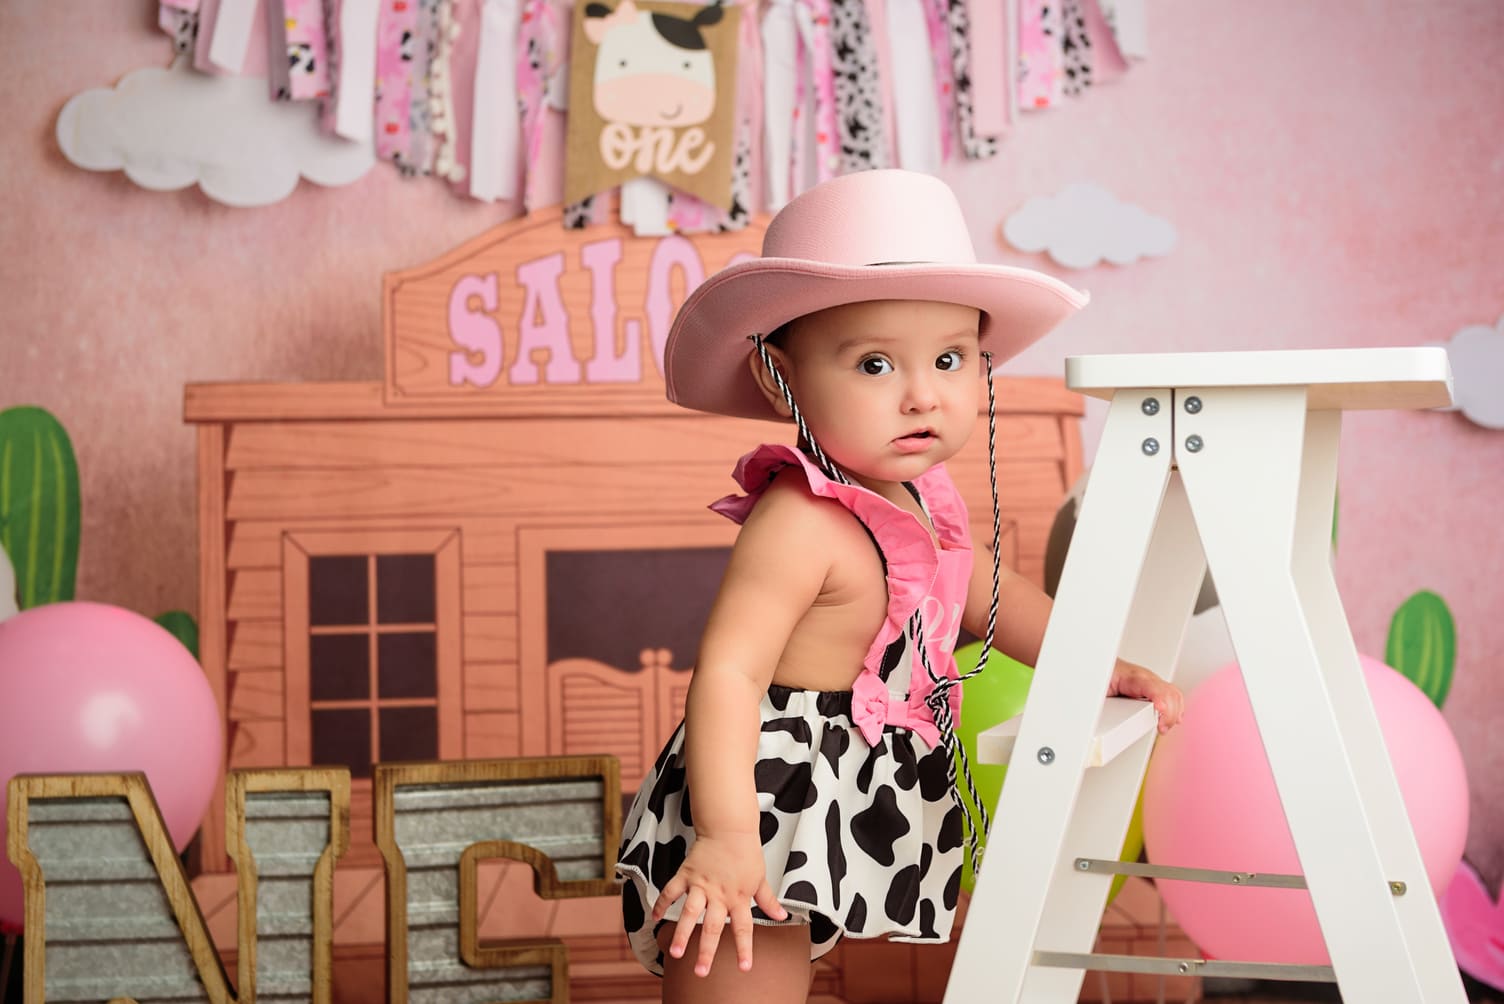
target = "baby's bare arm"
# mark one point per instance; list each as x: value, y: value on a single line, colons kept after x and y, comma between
x: 777, y: 570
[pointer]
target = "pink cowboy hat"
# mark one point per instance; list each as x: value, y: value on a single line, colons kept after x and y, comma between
x: 872, y: 235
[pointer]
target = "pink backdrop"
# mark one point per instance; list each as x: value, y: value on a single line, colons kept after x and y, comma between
x: 1335, y: 173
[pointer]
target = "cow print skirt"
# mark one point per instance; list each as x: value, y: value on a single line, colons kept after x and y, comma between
x: 861, y: 841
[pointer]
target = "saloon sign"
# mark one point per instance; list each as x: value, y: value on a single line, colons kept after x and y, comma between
x: 533, y: 308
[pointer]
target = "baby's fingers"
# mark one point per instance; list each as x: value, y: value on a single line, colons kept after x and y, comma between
x: 710, y: 936
x: 741, y: 930
x: 675, y: 888
x: 768, y: 902
x: 694, y: 905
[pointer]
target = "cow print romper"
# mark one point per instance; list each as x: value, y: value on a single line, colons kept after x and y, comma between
x: 859, y: 833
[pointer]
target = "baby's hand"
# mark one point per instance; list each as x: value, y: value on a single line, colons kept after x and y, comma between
x: 720, y: 877
x: 1129, y: 680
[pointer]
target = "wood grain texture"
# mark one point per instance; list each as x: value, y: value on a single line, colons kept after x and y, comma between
x: 390, y: 779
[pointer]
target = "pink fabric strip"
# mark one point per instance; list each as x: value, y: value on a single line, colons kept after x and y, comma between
x: 307, y: 49
x: 396, y: 39
x: 939, y: 31
x: 462, y: 85
x: 827, y: 150
x: 1038, y: 53
x: 542, y: 51
x: 988, y: 65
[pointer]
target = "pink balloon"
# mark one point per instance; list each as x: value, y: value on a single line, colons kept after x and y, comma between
x: 1210, y: 802
x: 86, y: 687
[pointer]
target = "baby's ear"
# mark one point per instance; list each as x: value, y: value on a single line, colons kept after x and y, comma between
x: 765, y: 382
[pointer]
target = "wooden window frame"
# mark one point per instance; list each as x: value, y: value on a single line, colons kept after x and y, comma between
x: 298, y: 548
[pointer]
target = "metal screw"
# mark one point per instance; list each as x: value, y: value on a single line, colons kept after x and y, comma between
x: 1194, y: 444
x: 1151, y: 446
x: 1398, y: 888
x: 1083, y: 865
x: 1151, y: 406
x: 1046, y: 755
x: 1192, y: 405
x: 1185, y: 967
x: 1237, y: 879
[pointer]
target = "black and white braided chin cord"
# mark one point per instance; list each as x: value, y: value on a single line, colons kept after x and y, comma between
x: 938, y: 700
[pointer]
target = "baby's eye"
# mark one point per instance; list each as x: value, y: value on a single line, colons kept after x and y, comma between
x: 951, y: 361
x: 875, y: 366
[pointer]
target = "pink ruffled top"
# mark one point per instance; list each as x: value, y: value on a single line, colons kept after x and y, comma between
x: 919, y: 575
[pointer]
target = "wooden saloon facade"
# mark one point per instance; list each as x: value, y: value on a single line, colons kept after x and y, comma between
x: 501, y: 548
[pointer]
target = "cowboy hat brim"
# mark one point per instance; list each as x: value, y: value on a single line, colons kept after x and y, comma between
x: 705, y: 357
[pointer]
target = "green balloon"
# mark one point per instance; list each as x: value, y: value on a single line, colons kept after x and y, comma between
x: 993, y: 696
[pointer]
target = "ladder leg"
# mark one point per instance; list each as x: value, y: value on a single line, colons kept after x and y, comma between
x: 1419, y: 917
x: 1243, y: 482
x: 1167, y: 588
x: 1092, y: 604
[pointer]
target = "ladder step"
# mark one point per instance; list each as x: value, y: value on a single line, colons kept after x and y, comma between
x: 1145, y: 870
x: 1123, y: 722
x: 1160, y: 966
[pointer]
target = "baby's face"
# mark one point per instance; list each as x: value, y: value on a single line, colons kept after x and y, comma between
x: 889, y: 388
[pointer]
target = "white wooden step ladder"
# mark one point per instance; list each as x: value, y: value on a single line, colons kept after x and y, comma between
x: 1241, y: 447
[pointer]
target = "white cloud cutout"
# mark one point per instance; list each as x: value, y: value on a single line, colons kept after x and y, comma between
x: 1477, y: 357
x: 168, y: 129
x: 1085, y: 224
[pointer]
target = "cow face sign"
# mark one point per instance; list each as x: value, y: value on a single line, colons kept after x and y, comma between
x: 661, y: 82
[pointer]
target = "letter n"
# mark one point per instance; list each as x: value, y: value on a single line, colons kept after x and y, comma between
x: 109, y: 914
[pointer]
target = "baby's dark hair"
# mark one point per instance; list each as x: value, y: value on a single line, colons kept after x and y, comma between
x: 780, y: 335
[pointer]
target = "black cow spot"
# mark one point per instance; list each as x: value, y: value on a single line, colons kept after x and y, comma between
x: 949, y: 836
x: 821, y: 929
x: 666, y: 860
x: 835, y: 853
x: 803, y: 892
x: 877, y: 827
x: 779, y: 698
x: 903, y: 895
x: 907, y: 774
x: 856, y: 917
x: 891, y: 655
x: 767, y: 826
x: 927, y: 920
x: 788, y: 783
x: 796, y: 861
x: 796, y: 727
x: 833, y: 744
x: 638, y: 857
x: 953, y: 889
x: 925, y: 857
x: 633, y: 915
x: 670, y: 779
x: 684, y: 814
x: 864, y: 775
x: 934, y: 781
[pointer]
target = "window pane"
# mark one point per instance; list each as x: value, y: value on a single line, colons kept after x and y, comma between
x: 339, y: 667
x: 409, y: 734
x: 405, y: 665
x: 343, y: 736
x: 404, y: 589
x: 599, y: 607
x: 337, y: 590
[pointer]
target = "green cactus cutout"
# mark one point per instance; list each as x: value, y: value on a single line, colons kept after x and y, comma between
x: 181, y: 625
x: 39, y: 506
x: 1423, y: 644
